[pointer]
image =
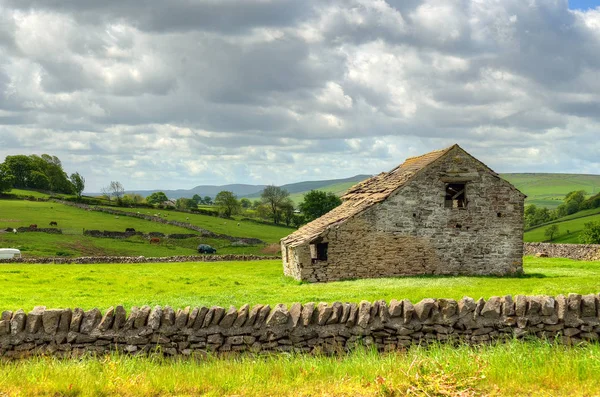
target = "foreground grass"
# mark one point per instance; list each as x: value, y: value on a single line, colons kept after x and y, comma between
x: 515, y: 368
x: 237, y: 283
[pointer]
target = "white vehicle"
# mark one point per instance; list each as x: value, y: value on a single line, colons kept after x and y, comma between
x: 9, y: 253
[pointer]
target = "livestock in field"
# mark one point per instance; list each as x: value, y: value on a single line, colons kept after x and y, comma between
x: 53, y: 223
x: 33, y: 226
x: 130, y: 229
x: 154, y: 240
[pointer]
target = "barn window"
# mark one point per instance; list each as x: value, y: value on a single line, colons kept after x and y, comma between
x: 456, y: 195
x: 322, y: 251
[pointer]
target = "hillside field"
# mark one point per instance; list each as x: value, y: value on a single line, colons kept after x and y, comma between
x: 569, y: 228
x: 548, y: 190
x: 18, y: 213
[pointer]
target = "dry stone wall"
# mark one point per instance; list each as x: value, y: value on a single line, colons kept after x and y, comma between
x: 307, y: 328
x: 84, y: 260
x: 585, y: 252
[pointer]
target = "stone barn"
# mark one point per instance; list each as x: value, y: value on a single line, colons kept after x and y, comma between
x: 444, y: 212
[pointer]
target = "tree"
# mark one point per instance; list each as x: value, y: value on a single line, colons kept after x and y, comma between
x: 157, y: 198
x: 287, y: 211
x: 6, y: 178
x: 185, y: 204
x: 38, y: 180
x: 197, y: 199
x: 551, y: 231
x: 317, y: 203
x: 274, y: 197
x: 590, y: 233
x: 20, y: 167
x: 78, y: 182
x: 116, y: 190
x: 227, y: 203
x: 207, y: 200
x: 245, y: 203
x: 132, y: 199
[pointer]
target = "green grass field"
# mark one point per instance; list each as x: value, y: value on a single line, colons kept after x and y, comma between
x: 267, y: 233
x: 236, y: 283
x: 548, y: 190
x: 569, y: 228
x: 512, y: 369
x: 17, y: 213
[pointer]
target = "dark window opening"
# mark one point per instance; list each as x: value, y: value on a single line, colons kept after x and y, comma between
x: 456, y: 195
x: 458, y: 226
x: 499, y: 214
x: 322, y: 251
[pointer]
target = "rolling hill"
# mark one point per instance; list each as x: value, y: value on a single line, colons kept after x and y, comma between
x: 548, y: 190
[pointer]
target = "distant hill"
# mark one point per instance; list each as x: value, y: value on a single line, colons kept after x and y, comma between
x: 253, y: 191
x: 548, y: 190
x: 337, y: 186
x: 239, y: 190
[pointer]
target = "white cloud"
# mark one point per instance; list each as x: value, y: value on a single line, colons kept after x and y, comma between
x: 262, y: 91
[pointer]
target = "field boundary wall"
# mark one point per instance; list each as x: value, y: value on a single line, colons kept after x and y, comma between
x: 303, y: 328
x: 84, y: 260
x: 585, y: 252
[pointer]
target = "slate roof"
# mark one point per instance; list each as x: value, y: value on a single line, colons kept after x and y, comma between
x: 364, y: 195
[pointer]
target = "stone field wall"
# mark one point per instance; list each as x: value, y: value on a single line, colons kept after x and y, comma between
x: 585, y: 252
x: 307, y: 328
x: 139, y: 259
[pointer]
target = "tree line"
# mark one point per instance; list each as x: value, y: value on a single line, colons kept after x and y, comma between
x: 274, y: 204
x: 43, y: 172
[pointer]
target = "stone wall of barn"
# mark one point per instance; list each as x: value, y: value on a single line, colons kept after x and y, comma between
x: 307, y: 328
x: 413, y: 232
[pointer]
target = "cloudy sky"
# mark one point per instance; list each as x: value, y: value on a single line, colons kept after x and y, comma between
x: 175, y: 94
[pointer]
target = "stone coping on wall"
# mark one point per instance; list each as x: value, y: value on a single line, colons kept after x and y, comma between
x: 586, y: 252
x: 302, y: 328
x: 139, y: 259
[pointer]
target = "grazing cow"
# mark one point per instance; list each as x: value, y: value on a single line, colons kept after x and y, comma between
x: 154, y: 240
x: 53, y: 223
x: 116, y: 217
x: 33, y: 226
x: 130, y: 229
x: 238, y: 223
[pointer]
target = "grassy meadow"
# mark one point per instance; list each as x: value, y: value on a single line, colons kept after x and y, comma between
x: 247, y: 228
x: 236, y: 283
x: 548, y: 190
x: 511, y: 369
x: 17, y: 213
x: 515, y: 368
x: 569, y: 228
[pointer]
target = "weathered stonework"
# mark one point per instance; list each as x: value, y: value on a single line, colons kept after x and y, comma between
x: 412, y: 231
x: 308, y: 328
x: 584, y: 252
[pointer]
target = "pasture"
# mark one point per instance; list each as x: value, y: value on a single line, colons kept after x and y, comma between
x: 548, y: 190
x: 21, y: 213
x: 236, y: 283
x: 514, y: 368
x: 247, y: 228
x: 570, y: 227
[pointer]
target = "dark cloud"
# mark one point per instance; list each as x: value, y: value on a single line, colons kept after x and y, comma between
x: 179, y: 93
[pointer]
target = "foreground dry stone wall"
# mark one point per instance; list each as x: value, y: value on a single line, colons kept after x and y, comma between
x: 307, y: 328
x: 584, y: 252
